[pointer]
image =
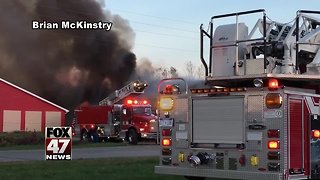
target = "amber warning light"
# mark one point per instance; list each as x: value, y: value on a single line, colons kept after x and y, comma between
x: 273, y: 144
x: 316, y: 134
x: 166, y: 142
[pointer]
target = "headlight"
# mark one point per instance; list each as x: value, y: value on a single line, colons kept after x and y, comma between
x: 166, y: 103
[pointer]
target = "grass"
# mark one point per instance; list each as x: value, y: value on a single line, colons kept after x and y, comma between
x: 75, y: 144
x: 106, y: 168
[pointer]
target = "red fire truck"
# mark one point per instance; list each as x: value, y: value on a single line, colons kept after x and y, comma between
x: 256, y: 115
x: 119, y: 116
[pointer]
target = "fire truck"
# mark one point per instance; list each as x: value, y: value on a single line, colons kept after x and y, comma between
x: 256, y: 114
x: 122, y: 115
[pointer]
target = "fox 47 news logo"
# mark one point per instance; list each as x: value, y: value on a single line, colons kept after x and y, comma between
x: 58, y: 143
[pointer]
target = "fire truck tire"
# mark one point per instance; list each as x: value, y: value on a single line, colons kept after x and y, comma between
x: 194, y: 178
x: 132, y: 137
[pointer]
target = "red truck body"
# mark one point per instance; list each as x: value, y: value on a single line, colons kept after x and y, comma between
x: 93, y: 115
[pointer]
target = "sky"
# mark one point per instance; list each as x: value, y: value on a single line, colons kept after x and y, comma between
x: 167, y: 31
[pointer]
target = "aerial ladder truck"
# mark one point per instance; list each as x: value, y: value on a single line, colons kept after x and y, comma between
x: 256, y: 114
x: 119, y: 116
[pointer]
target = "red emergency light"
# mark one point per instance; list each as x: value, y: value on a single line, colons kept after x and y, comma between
x: 273, y: 133
x: 168, y: 89
x: 166, y: 132
x: 273, y: 84
x: 129, y: 101
x: 135, y: 102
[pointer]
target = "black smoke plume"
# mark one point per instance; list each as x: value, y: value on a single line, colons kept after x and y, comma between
x: 65, y: 66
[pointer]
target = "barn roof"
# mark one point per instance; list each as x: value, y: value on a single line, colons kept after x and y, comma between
x: 34, y: 95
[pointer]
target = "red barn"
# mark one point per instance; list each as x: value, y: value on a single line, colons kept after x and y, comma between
x: 20, y: 110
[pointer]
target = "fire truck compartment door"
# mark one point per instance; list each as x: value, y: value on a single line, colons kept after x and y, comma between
x: 218, y: 120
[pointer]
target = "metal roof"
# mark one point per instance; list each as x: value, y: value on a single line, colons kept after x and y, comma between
x: 34, y: 95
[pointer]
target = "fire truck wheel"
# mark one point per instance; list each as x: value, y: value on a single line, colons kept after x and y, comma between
x: 132, y: 137
x: 194, y: 178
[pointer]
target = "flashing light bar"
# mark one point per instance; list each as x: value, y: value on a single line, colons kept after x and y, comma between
x: 131, y: 102
x: 217, y: 90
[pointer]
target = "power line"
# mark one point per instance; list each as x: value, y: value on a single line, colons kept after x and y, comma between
x: 165, y: 27
x: 138, y: 44
x: 146, y: 45
x: 157, y: 17
x: 163, y: 34
x: 169, y: 48
x: 69, y: 10
x: 57, y: 18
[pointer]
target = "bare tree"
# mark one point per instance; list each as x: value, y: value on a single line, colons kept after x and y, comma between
x: 190, y: 69
x: 160, y: 73
x: 164, y: 72
x: 200, y: 72
x: 173, y: 72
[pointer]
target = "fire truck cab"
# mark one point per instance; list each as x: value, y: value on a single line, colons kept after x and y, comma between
x: 136, y: 120
x: 256, y: 115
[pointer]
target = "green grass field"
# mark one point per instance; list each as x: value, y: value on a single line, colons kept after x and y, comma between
x: 106, y: 168
x: 74, y: 145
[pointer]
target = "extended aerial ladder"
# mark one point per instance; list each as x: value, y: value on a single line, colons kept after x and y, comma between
x: 133, y: 88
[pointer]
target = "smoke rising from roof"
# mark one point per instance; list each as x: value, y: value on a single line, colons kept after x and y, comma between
x: 64, y: 66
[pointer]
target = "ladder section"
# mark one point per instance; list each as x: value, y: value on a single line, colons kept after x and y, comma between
x: 135, y: 88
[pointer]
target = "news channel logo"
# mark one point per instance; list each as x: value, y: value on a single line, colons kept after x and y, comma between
x: 58, y: 143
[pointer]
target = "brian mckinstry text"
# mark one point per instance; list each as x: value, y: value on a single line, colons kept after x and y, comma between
x: 81, y: 25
